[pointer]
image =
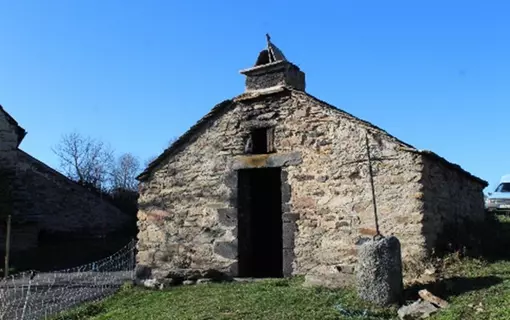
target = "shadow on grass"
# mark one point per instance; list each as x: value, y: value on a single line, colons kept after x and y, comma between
x: 81, y: 313
x: 495, y: 238
x: 489, y: 241
x: 454, y: 286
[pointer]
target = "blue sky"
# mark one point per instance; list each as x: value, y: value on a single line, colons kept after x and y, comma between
x: 137, y: 73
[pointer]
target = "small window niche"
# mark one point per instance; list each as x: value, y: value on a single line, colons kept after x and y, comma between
x: 260, y: 141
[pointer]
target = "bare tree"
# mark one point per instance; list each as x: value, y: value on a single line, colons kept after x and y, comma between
x: 124, y: 173
x: 85, y: 160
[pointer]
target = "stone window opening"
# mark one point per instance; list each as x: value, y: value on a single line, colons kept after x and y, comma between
x: 260, y: 141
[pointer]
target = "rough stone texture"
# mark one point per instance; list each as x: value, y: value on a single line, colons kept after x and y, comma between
x: 23, y: 237
x: 435, y: 300
x: 329, y: 277
x: 267, y: 161
x: 444, y: 220
x: 187, y: 217
x: 379, y: 271
x: 204, y: 281
x: 281, y: 73
x: 417, y: 310
x: 59, y: 205
x: 10, y: 136
x: 11, y: 133
x: 43, y: 200
x: 265, y: 80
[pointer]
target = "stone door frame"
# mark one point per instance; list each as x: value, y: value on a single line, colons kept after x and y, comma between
x: 289, y: 226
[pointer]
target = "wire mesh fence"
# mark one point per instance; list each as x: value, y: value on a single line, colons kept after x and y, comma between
x: 33, y: 296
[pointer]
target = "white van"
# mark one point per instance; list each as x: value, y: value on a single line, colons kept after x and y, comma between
x: 499, y: 200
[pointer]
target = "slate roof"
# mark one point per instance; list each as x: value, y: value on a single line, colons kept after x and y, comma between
x: 226, y: 104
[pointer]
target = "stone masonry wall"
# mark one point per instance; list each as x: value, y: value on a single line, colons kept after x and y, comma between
x: 42, y: 200
x: 59, y: 205
x: 284, y: 75
x: 8, y: 160
x: 331, y: 190
x: 187, y: 216
x: 8, y: 135
x: 8, y: 145
x: 23, y: 237
x: 452, y: 203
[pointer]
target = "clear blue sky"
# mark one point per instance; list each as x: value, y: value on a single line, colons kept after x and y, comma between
x: 137, y: 73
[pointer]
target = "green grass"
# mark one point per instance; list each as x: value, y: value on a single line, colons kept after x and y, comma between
x: 476, y: 288
x: 267, y: 299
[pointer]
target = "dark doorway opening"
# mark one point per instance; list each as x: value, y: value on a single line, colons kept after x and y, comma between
x: 260, y: 239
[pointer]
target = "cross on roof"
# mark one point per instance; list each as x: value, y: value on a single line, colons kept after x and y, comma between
x: 273, y: 52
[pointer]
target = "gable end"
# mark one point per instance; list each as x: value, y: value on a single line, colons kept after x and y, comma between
x: 186, y: 137
x: 404, y: 146
x: 226, y: 104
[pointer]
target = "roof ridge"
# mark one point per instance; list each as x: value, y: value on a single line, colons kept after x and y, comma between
x: 278, y: 89
x: 355, y: 118
x: 184, y: 137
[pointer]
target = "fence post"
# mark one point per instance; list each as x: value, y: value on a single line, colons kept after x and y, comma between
x: 133, y: 258
x: 25, y: 304
x: 7, y: 246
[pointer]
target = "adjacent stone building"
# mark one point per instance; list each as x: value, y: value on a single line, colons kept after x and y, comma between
x: 274, y: 182
x: 43, y: 201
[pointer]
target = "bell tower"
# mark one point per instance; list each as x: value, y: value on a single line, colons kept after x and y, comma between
x: 272, y: 69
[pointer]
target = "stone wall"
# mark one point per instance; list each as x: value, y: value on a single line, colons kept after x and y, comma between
x: 187, y: 216
x: 8, y: 158
x: 331, y: 190
x: 277, y: 74
x: 40, y: 199
x: 9, y: 133
x: 23, y: 237
x: 452, y: 204
x: 59, y: 205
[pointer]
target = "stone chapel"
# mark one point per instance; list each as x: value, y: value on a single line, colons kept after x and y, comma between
x: 274, y: 182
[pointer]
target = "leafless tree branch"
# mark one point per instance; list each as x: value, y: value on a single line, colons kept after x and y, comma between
x: 124, y: 173
x: 85, y: 160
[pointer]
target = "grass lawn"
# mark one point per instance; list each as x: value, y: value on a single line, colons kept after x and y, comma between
x: 267, y: 299
x: 477, y: 288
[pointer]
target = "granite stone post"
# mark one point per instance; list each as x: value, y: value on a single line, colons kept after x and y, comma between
x: 379, y: 271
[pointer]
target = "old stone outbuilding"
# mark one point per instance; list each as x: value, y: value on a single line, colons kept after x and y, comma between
x: 42, y: 201
x: 274, y: 182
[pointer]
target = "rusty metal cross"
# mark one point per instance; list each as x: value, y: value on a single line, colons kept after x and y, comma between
x: 370, y: 160
x: 371, y: 174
